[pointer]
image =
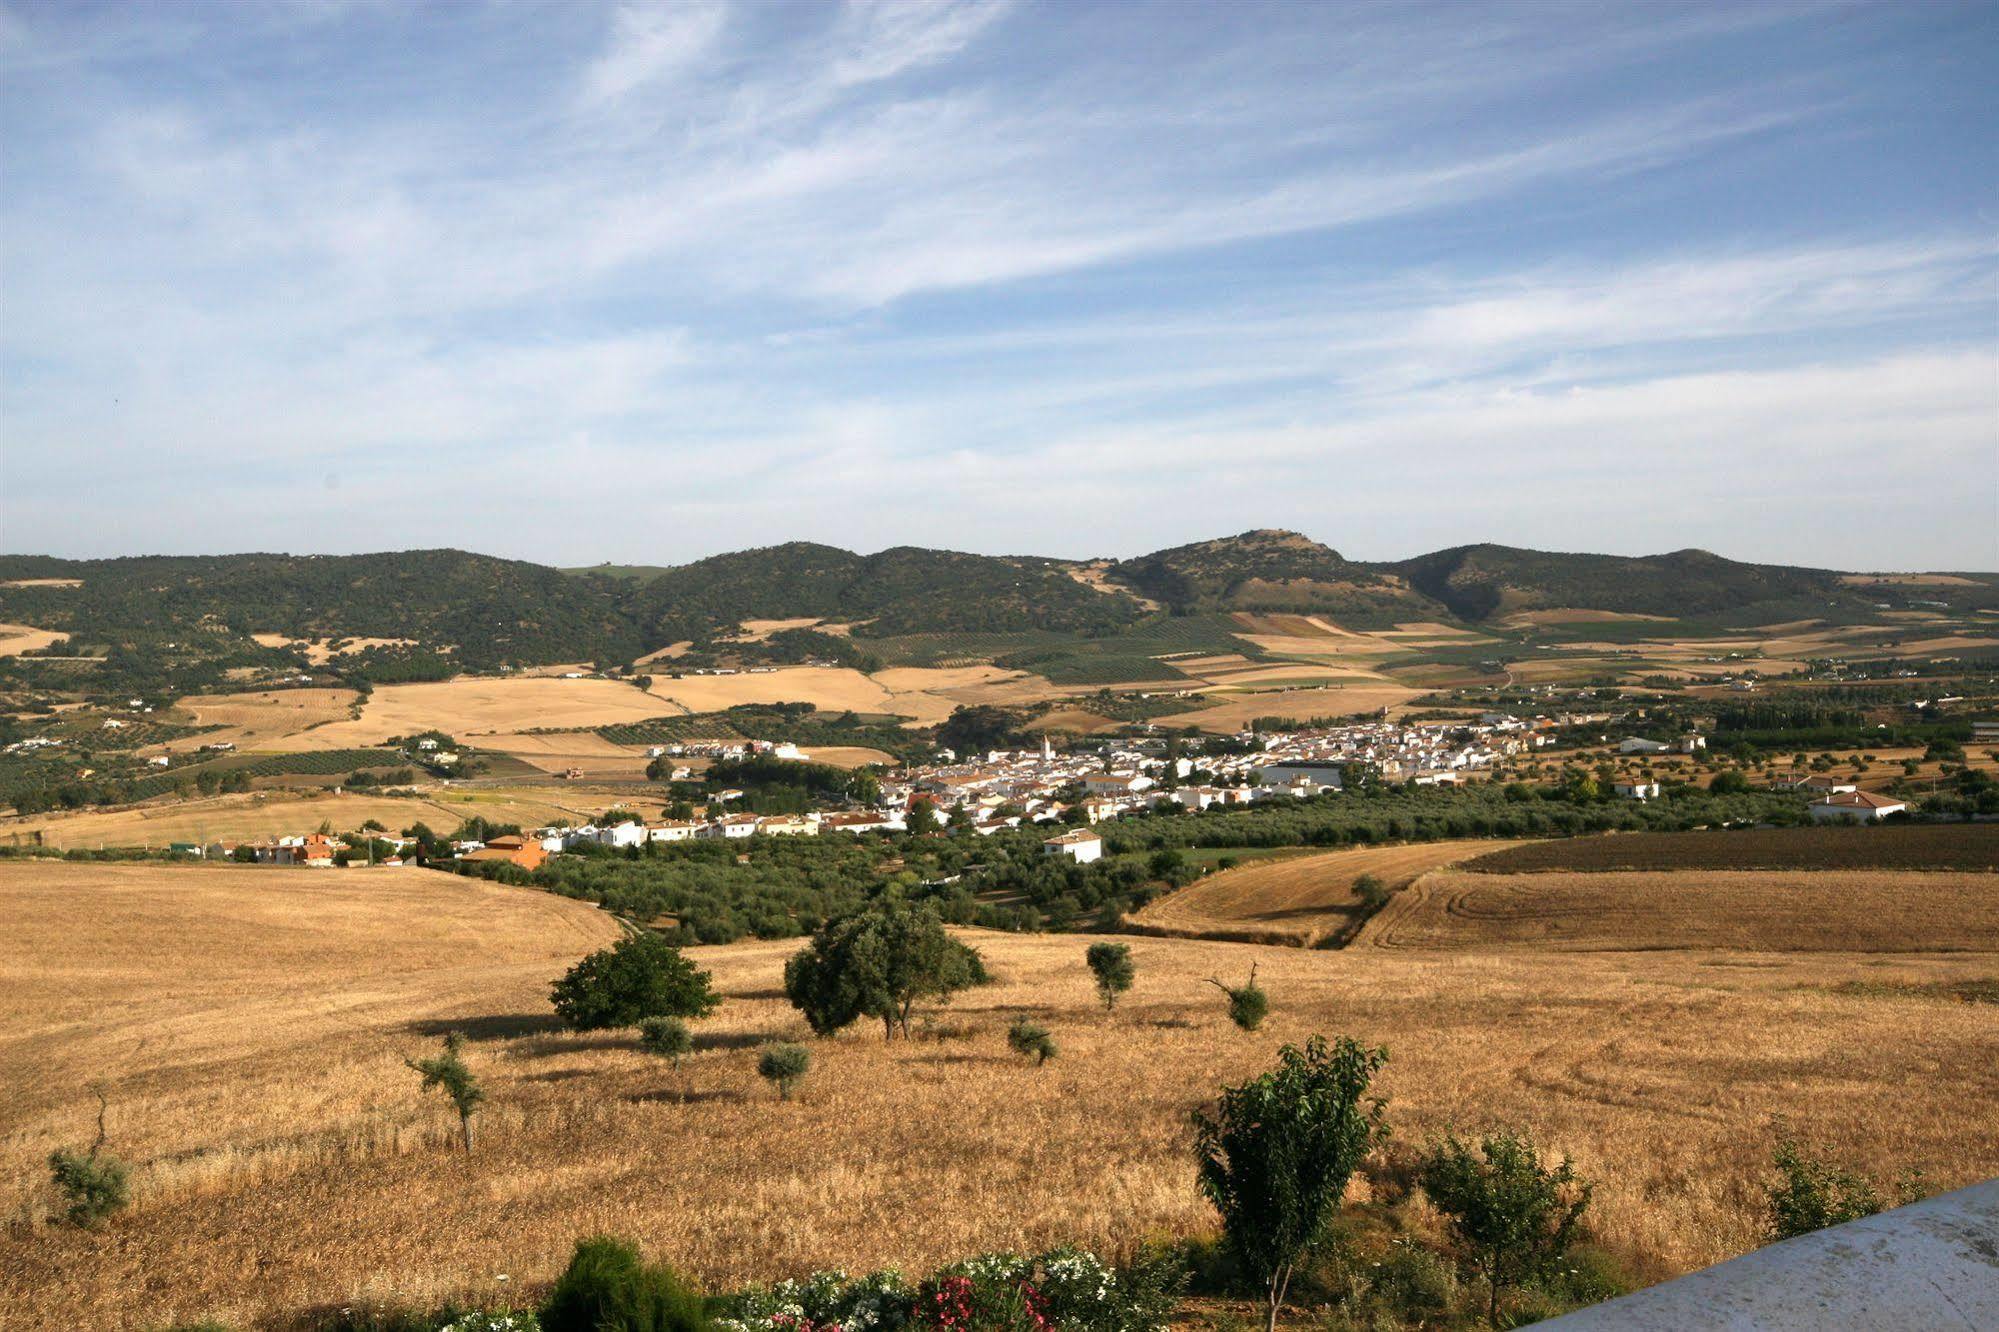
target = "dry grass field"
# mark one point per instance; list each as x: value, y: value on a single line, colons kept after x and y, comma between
x: 18, y: 638
x: 254, y: 1038
x: 477, y: 707
x: 320, y: 651
x: 278, y: 719
x: 239, y: 817
x: 1304, y: 901
x: 1798, y: 911
x: 1337, y: 701
x: 559, y: 751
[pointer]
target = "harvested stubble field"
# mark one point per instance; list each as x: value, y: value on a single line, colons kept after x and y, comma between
x: 1960, y: 846
x: 288, y: 1158
x: 1299, y: 704
x: 273, y: 718
x: 1795, y: 911
x: 237, y: 817
x: 1304, y: 901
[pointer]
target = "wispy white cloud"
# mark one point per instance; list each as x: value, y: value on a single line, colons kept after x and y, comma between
x: 959, y: 245
x: 650, y: 42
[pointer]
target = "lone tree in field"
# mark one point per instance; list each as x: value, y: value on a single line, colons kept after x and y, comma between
x: 667, y: 1038
x: 1111, y: 964
x: 1276, y: 1155
x: 1029, y: 1038
x: 93, y: 1184
x: 1248, y: 1004
x: 879, y: 962
x: 639, y: 977
x: 447, y: 1070
x: 1512, y: 1217
x: 784, y: 1065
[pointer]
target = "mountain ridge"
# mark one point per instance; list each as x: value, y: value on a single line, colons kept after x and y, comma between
x: 491, y: 611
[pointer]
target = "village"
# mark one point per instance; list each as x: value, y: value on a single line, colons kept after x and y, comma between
x: 1067, y: 789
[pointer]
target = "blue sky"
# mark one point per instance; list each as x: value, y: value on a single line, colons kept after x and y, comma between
x: 645, y: 282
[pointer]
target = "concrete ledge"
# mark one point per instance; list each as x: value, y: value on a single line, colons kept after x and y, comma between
x: 1932, y: 1265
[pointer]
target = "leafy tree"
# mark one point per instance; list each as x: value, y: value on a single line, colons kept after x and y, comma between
x: 879, y: 962
x: 1732, y: 782
x: 1372, y: 892
x: 922, y: 818
x: 1111, y: 964
x: 1248, y: 1003
x: 976, y: 729
x: 1512, y: 1217
x: 1027, y: 1037
x: 1813, y: 1194
x: 641, y: 976
x: 1276, y: 1155
x: 784, y: 1064
x: 93, y: 1184
x: 447, y: 1070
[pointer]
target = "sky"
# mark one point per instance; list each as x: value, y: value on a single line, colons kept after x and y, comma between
x: 640, y: 283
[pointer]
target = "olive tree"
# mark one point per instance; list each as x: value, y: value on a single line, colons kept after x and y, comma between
x: 879, y: 962
x: 1512, y: 1217
x: 784, y: 1065
x: 1027, y: 1037
x: 1111, y: 965
x: 1277, y: 1152
x: 640, y: 976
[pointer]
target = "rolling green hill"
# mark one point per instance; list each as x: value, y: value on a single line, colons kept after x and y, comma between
x: 1479, y: 582
x: 1268, y: 570
x: 157, y: 614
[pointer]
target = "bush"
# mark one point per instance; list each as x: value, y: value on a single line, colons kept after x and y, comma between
x: 493, y: 1322
x: 878, y: 1302
x: 1813, y: 1194
x: 784, y: 1064
x: 93, y: 1184
x: 606, y: 1288
x: 1027, y: 1037
x: 1372, y: 892
x: 1512, y: 1217
x: 1276, y: 1155
x: 666, y: 1037
x: 1248, y: 1004
x: 641, y: 976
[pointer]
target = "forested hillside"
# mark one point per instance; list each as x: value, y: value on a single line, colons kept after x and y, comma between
x: 449, y: 610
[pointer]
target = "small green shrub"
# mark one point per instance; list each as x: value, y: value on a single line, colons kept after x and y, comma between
x: 1030, y: 1039
x: 1812, y: 1194
x: 93, y: 1184
x: 1248, y: 1004
x: 607, y: 1288
x: 1372, y: 892
x: 784, y: 1064
x: 666, y: 1037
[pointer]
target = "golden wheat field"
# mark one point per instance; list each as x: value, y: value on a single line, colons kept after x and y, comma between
x: 252, y: 1024
x: 1301, y: 900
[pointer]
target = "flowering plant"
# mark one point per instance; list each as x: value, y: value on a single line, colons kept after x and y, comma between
x: 493, y: 1322
x: 824, y: 1302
